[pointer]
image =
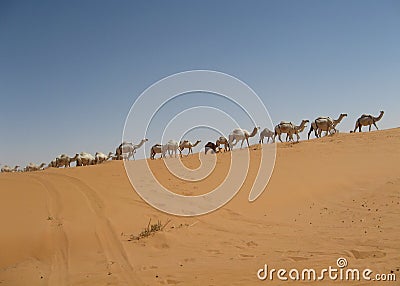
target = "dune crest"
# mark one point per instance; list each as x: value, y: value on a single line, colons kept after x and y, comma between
x: 337, y: 196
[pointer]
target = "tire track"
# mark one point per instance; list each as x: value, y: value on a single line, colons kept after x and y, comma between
x: 109, y: 241
x: 59, y: 265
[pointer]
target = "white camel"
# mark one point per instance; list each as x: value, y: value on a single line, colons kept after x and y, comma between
x: 325, y: 123
x: 85, y: 159
x: 126, y: 150
x: 289, y: 128
x: 188, y: 145
x: 240, y: 134
x: 266, y: 133
x: 101, y: 157
x: 367, y: 120
x: 8, y: 169
x: 33, y: 167
x: 172, y: 146
x: 222, y: 141
x: 64, y: 160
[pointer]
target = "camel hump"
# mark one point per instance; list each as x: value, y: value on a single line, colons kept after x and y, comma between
x: 366, y: 115
x: 285, y: 122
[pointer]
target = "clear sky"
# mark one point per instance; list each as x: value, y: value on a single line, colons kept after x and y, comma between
x: 70, y: 70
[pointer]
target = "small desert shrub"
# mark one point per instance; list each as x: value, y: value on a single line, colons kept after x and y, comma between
x: 149, y: 230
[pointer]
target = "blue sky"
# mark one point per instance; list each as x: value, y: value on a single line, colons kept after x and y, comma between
x: 70, y: 70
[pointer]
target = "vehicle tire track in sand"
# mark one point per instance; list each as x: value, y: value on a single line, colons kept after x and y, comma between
x: 105, y: 232
x: 59, y: 264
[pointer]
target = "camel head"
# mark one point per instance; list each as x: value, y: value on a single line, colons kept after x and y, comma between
x: 343, y: 114
x: 379, y: 117
x: 254, y: 132
x: 196, y: 143
x: 304, y: 122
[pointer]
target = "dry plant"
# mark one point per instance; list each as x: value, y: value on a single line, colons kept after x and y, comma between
x: 149, y: 230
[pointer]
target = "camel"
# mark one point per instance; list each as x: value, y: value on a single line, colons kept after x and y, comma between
x: 337, y: 121
x: 101, y: 157
x: 222, y: 141
x: 289, y: 128
x: 325, y: 123
x: 7, y: 169
x: 210, y: 145
x: 266, y: 133
x: 241, y: 134
x: 126, y: 150
x: 33, y: 167
x: 85, y: 159
x: 172, y: 146
x: 187, y: 144
x: 62, y: 160
x: 156, y: 149
x: 52, y: 164
x: 367, y: 120
x: 298, y: 129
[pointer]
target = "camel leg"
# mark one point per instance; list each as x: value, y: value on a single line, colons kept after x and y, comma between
x: 376, y: 126
x: 247, y: 140
x: 369, y: 128
x: 298, y: 137
x: 279, y: 136
x: 309, y: 132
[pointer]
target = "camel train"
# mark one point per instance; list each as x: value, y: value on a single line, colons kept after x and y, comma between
x: 127, y: 150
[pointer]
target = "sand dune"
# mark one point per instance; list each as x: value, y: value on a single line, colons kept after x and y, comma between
x: 328, y: 198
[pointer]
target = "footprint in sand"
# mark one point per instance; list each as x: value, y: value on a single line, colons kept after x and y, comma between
x: 367, y: 254
x: 251, y: 243
x: 246, y: 255
x: 298, y: 258
x: 214, y: 251
x: 172, y: 282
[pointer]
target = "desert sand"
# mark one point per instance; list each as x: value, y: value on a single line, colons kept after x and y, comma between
x: 333, y: 197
